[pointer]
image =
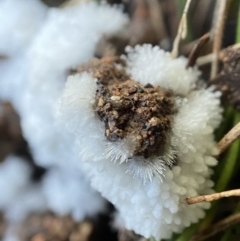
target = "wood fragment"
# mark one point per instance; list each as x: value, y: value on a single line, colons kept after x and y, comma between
x: 218, y: 28
x: 197, y: 49
x: 229, y: 138
x: 207, y: 59
x: 212, y: 197
x: 182, y: 30
x: 220, y: 226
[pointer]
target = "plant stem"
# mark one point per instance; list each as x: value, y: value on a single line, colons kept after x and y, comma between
x: 212, y: 197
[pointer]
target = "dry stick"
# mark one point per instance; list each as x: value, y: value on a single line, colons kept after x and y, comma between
x: 218, y: 34
x: 212, y: 197
x: 216, y: 228
x: 182, y: 30
x: 196, y: 50
x: 206, y: 59
x: 229, y: 138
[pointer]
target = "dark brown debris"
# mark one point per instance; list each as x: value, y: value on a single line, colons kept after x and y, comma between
x: 105, y: 69
x: 196, y: 50
x: 112, y: 46
x: 130, y: 109
x: 54, y: 3
x: 48, y: 227
x: 142, y: 112
x: 228, y: 80
x: 214, y: 229
x: 126, y: 235
x: 11, y: 140
x: 3, y: 226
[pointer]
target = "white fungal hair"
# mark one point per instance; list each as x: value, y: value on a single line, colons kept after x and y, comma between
x: 122, y: 152
x: 147, y: 193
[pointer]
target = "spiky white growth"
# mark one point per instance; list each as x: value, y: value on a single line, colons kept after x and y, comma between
x: 167, y: 73
x: 71, y: 194
x: 122, y: 151
x: 68, y: 38
x: 33, y: 78
x: 155, y: 208
x: 85, y: 103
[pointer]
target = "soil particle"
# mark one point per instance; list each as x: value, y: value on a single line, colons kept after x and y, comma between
x: 129, y: 108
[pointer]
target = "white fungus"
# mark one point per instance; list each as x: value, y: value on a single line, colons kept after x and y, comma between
x: 78, y: 30
x: 152, y: 208
x: 68, y: 38
x: 14, y: 177
x: 20, y: 21
x: 20, y: 196
x: 41, y: 46
x: 71, y: 194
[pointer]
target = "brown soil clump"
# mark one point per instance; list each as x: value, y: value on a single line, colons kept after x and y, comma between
x: 130, y: 109
x: 143, y: 112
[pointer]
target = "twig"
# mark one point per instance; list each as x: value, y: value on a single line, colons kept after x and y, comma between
x: 182, y: 30
x: 212, y: 197
x: 219, y: 21
x: 216, y: 228
x: 206, y: 59
x: 196, y: 50
x: 229, y: 138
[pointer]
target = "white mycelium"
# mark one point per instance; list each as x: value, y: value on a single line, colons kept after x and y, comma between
x: 20, y: 21
x: 20, y: 195
x: 71, y: 194
x: 41, y: 45
x: 68, y: 38
x: 153, y: 206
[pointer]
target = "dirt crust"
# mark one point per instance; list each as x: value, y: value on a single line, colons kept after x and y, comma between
x: 130, y: 109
